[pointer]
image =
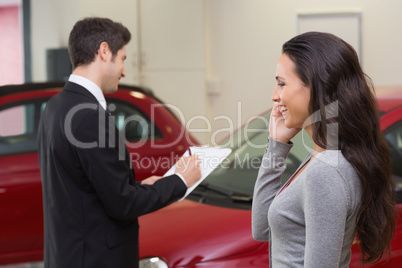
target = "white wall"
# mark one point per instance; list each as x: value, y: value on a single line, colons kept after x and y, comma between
x: 44, y: 35
x: 53, y: 20
x: 168, y: 36
x: 246, y: 37
x: 173, y: 50
x: 4, y: 3
x: 243, y: 44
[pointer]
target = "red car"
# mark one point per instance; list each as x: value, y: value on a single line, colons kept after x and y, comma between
x: 155, y: 139
x: 212, y: 227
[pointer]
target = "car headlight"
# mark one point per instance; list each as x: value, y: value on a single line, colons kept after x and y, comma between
x: 153, y: 262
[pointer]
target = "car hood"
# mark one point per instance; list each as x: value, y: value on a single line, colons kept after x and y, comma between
x: 189, y: 232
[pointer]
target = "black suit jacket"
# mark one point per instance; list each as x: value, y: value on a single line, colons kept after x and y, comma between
x: 90, y: 199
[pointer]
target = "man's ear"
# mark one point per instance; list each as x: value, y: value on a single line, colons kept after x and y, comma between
x: 104, y: 51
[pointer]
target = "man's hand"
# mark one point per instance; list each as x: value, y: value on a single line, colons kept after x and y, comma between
x: 189, y: 168
x: 151, y: 180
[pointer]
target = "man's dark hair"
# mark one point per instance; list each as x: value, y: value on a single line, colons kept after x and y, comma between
x: 87, y: 35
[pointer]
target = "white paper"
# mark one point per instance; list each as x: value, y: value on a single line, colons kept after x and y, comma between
x: 211, y: 158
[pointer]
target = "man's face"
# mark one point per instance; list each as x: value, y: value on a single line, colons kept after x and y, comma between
x: 114, y: 71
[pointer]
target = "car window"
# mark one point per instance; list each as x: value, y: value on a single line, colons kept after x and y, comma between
x: 18, y: 127
x: 19, y: 124
x: 394, y: 140
x: 136, y: 125
x: 239, y: 172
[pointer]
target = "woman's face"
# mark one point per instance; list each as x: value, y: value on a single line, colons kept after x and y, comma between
x: 291, y: 94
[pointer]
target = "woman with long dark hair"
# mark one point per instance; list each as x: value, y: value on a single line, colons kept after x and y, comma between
x: 343, y: 191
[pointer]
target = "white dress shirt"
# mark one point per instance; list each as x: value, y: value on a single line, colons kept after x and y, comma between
x: 90, y: 86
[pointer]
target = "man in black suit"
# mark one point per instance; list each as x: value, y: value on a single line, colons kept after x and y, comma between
x: 90, y: 199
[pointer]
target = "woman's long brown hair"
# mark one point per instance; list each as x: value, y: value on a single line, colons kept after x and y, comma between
x: 338, y: 86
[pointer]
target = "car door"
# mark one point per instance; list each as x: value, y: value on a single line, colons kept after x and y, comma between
x: 21, y: 224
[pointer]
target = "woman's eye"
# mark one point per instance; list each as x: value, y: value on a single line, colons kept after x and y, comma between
x: 281, y: 84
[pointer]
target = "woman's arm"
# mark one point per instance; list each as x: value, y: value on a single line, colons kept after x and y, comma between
x: 272, y: 166
x: 267, y: 185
